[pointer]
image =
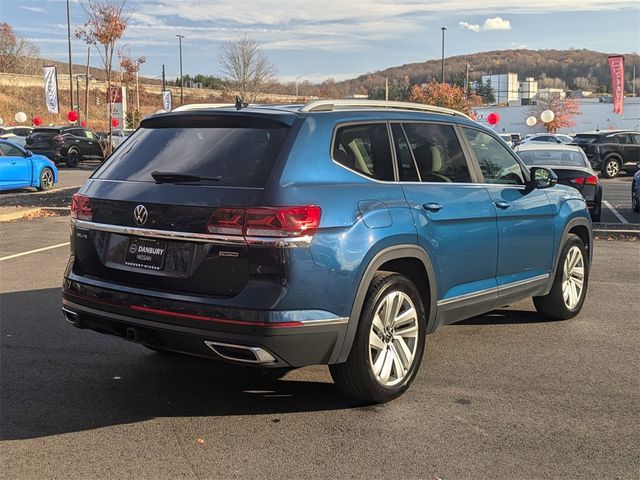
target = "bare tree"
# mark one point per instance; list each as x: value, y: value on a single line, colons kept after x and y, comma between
x: 249, y: 71
x: 105, y: 25
x: 17, y: 55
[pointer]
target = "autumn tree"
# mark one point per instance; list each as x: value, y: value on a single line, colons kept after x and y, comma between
x: 248, y: 69
x: 105, y: 24
x: 16, y: 53
x: 441, y: 95
x: 129, y: 70
x: 564, y: 109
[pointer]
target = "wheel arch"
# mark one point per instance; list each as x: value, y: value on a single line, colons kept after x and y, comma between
x: 409, y: 260
x: 582, y: 227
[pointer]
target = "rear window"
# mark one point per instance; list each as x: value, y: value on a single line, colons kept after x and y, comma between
x: 45, y: 132
x: 552, y: 157
x: 239, y: 156
x: 584, y: 139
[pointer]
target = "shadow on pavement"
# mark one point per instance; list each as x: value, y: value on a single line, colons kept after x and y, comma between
x: 57, y: 379
x: 506, y: 317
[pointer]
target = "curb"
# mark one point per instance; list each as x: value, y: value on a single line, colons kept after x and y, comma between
x: 616, y: 231
x: 18, y: 214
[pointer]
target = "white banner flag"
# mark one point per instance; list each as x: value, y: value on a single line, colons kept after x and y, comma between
x: 166, y: 100
x: 51, y: 89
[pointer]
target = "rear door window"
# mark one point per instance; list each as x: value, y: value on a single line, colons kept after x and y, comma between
x: 495, y: 161
x: 365, y: 149
x: 437, y: 153
x: 238, y: 155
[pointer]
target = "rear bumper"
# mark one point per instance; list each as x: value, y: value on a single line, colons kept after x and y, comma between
x: 267, y: 339
x: 52, y: 154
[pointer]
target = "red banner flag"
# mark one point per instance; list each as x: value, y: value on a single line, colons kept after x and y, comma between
x: 616, y: 65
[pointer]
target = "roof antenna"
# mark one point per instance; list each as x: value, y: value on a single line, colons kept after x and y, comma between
x: 240, y: 103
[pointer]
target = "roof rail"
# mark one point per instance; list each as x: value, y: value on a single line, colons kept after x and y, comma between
x: 330, y: 105
x: 201, y: 106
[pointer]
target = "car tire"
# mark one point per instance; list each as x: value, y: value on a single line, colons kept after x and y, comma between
x: 73, y: 158
x: 569, y: 289
x: 387, y: 350
x: 635, y: 201
x: 611, y: 167
x: 46, y: 179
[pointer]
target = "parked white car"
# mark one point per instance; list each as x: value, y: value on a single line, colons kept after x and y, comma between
x: 548, y: 138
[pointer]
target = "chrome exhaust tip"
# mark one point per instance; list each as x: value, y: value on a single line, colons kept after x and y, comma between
x: 71, y: 316
x: 241, y: 353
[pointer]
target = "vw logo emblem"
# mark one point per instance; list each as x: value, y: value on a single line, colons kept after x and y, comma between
x: 140, y: 214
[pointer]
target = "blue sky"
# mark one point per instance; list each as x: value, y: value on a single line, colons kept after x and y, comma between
x: 333, y: 38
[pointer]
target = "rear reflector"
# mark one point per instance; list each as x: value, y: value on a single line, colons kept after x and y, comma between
x: 81, y: 207
x: 266, y: 221
x: 590, y: 180
x: 204, y: 318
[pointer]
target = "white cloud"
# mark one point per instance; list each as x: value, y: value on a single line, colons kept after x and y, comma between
x: 33, y: 9
x: 474, y: 27
x: 496, y: 23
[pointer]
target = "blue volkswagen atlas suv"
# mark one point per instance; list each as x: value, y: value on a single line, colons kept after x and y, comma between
x: 337, y: 233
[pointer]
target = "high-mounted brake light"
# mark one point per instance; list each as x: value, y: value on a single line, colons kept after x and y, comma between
x: 81, y: 207
x: 590, y: 180
x: 266, y: 221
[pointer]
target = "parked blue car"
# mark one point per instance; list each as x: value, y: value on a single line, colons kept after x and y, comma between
x: 337, y: 233
x: 19, y: 168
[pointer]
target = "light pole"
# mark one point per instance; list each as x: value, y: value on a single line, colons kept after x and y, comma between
x: 180, y: 37
x: 69, y: 44
x: 298, y: 78
x: 444, y: 29
x: 386, y: 84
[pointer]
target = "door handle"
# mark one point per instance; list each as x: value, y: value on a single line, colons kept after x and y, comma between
x: 432, y: 206
x: 502, y: 204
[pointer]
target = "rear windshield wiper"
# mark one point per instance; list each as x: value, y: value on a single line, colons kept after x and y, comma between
x: 177, y: 177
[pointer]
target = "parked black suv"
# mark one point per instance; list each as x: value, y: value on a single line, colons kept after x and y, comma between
x: 611, y: 151
x: 65, y: 144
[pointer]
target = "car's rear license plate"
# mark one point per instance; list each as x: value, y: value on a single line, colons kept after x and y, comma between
x: 146, y: 253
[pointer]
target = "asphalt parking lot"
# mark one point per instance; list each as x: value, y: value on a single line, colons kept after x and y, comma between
x: 507, y: 395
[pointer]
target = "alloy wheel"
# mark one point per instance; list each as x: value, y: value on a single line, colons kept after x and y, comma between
x: 47, y: 179
x: 612, y: 168
x: 393, y: 339
x: 573, y: 278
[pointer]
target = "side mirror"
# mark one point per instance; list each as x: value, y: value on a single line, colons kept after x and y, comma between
x: 28, y: 153
x: 542, y: 177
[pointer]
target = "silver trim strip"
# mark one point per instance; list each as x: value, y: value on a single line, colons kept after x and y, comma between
x: 260, y: 354
x: 487, y: 291
x: 279, y: 242
x: 329, y: 105
x: 322, y: 323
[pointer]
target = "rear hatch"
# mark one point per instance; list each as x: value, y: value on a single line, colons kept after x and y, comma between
x: 588, y: 143
x: 165, y: 211
x: 42, y: 138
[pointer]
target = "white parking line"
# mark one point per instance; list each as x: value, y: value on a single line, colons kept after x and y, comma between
x: 615, y: 212
x: 9, y: 257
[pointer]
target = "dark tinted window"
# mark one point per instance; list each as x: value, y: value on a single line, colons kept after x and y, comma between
x: 566, y: 158
x: 406, y: 163
x: 635, y: 138
x: 437, y: 152
x: 239, y: 156
x: 365, y: 149
x: 584, y: 139
x: 10, y: 150
x: 496, y: 162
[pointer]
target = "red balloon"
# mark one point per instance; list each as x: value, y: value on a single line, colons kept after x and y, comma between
x: 37, y: 121
x: 72, y: 116
x: 493, y: 118
x: 83, y: 124
x: 115, y: 122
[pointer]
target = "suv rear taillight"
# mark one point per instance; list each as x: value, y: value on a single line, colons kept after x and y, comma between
x: 590, y: 180
x: 58, y: 139
x: 81, y: 207
x: 266, y: 221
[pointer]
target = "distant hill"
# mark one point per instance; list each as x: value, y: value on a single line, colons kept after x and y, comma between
x: 572, y: 69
